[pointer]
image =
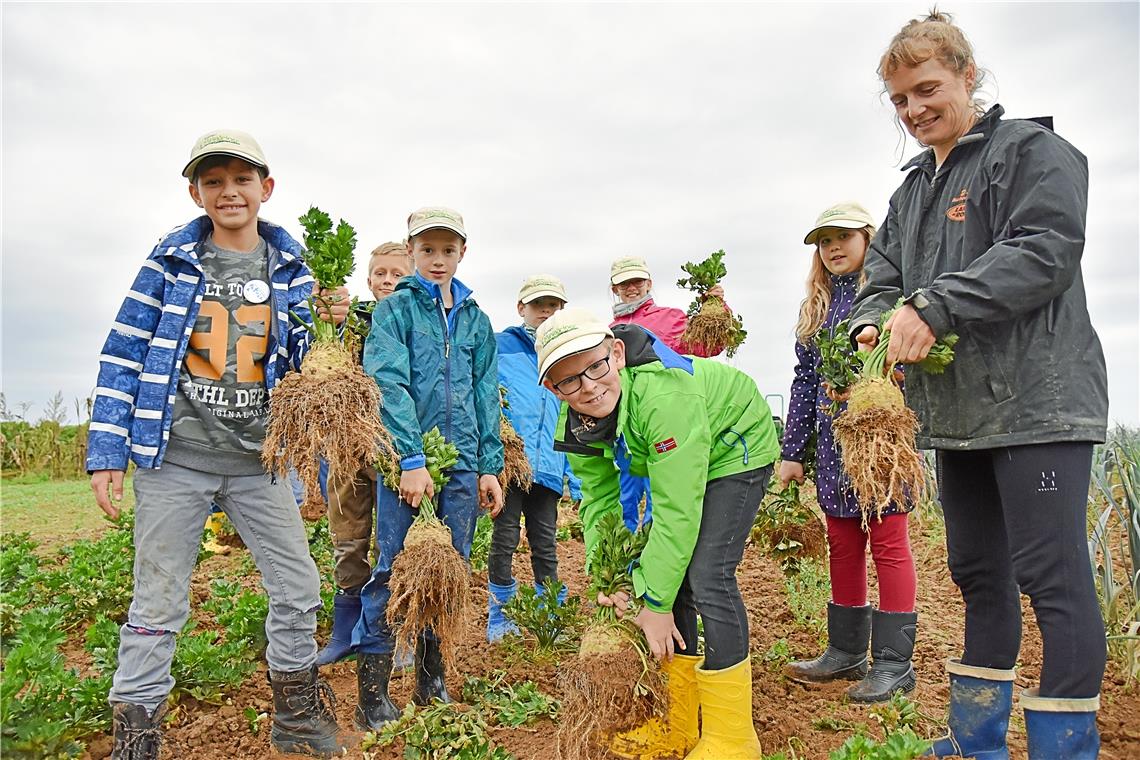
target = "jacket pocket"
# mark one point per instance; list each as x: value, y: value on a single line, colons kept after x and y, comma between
x: 993, y: 359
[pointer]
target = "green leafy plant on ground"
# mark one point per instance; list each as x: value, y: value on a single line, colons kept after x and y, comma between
x: 546, y: 625
x: 786, y: 529
x: 509, y: 704
x: 440, y: 731
x: 481, y: 543
x: 808, y: 591
x: 901, y: 745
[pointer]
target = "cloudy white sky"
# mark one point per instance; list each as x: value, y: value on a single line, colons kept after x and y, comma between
x: 567, y: 135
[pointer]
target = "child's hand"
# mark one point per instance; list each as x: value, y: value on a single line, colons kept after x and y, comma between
x: 790, y: 470
x: 103, y: 481
x: 660, y: 632
x: 332, y: 305
x: 839, y: 397
x: 490, y: 495
x: 619, y: 601
x: 716, y: 291
x: 415, y: 484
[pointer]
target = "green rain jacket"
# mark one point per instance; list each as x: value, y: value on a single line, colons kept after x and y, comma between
x: 682, y: 422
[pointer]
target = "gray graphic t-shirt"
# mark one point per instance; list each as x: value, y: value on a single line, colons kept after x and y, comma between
x: 221, y: 404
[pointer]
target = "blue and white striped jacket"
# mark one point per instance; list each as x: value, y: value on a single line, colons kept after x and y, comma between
x: 142, y: 358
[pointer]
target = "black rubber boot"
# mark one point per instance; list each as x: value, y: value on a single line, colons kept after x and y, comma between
x: 429, y: 673
x: 138, y: 736
x: 304, y: 719
x: 375, y: 707
x: 892, y: 645
x: 848, y: 631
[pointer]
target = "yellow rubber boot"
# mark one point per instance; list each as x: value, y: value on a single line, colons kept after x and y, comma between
x: 214, y: 526
x: 678, y: 733
x: 727, y: 732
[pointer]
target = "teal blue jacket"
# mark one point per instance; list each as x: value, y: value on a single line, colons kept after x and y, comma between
x: 436, y: 369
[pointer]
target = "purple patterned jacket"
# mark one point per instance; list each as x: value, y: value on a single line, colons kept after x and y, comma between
x: 808, y: 413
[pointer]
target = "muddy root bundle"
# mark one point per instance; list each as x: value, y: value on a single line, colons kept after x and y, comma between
x: 710, y: 325
x: 610, y: 687
x: 876, y: 433
x: 430, y: 582
x: 714, y: 326
x: 516, y: 467
x: 330, y: 409
x: 613, y: 684
x: 876, y: 439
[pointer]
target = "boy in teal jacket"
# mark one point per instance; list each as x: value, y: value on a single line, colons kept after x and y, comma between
x: 432, y: 352
x: 703, y: 435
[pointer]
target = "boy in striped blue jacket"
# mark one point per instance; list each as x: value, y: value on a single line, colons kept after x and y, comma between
x: 200, y: 341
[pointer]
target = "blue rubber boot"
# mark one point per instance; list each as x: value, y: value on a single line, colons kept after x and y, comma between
x: 980, y: 702
x: 497, y: 624
x: 1060, y: 727
x: 540, y: 590
x: 346, y: 611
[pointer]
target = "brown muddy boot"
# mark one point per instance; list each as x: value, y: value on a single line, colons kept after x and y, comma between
x: 848, y: 633
x: 137, y: 735
x: 429, y: 673
x: 304, y: 721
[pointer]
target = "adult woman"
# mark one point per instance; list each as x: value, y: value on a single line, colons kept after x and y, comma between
x: 984, y: 237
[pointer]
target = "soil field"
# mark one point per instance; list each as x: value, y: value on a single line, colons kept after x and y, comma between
x: 803, y: 722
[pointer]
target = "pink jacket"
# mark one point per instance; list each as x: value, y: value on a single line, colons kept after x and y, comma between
x: 667, y: 324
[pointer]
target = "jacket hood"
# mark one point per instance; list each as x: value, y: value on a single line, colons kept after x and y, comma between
x: 643, y: 347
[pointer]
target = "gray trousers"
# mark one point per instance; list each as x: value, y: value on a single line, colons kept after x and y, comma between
x: 171, y: 506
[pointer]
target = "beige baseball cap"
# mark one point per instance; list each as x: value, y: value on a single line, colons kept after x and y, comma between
x: 568, y: 332
x: 848, y: 216
x: 225, y: 142
x: 435, y: 217
x: 628, y: 268
x: 539, y: 285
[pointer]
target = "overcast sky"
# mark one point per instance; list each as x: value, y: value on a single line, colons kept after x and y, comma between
x: 567, y: 135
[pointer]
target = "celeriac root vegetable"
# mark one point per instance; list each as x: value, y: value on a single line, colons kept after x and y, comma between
x: 430, y: 583
x: 613, y: 685
x: 876, y: 433
x: 330, y: 409
x: 516, y: 467
x: 710, y: 324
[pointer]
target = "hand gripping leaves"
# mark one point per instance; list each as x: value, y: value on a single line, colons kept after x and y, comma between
x: 613, y: 685
x: 431, y: 582
x: 330, y: 409
x: 876, y: 432
x: 710, y: 323
x: 516, y: 467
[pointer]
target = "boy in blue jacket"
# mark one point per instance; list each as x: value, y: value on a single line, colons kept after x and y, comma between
x: 432, y: 352
x: 200, y: 341
x: 533, y: 412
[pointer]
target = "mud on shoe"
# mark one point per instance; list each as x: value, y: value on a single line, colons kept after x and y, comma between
x: 137, y: 734
x: 304, y: 718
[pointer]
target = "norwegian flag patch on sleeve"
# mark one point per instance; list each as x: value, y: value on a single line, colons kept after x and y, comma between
x: 667, y: 445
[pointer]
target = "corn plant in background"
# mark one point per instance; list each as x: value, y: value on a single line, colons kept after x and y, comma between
x: 1114, y: 545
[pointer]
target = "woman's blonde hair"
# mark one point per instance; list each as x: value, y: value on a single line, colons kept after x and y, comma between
x: 813, y: 309
x: 935, y: 36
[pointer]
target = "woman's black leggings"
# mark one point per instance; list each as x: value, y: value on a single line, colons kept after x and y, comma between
x: 1015, y: 517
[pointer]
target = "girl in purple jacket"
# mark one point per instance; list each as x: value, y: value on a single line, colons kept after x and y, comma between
x: 841, y: 235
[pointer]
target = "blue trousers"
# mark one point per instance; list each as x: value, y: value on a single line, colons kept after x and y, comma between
x: 458, y: 507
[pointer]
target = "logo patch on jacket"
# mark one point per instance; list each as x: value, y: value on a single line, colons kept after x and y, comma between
x: 667, y: 445
x: 957, y: 212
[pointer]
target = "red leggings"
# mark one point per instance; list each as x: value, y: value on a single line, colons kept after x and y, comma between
x: 890, y: 548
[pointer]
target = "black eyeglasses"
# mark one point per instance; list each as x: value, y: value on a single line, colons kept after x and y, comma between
x: 596, y: 371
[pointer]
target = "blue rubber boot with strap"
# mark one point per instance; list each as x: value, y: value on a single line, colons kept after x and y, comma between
x: 980, y: 703
x: 497, y: 624
x: 346, y: 611
x: 1061, y: 727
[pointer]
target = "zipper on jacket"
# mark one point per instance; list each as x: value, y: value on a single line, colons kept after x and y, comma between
x: 446, y: 369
